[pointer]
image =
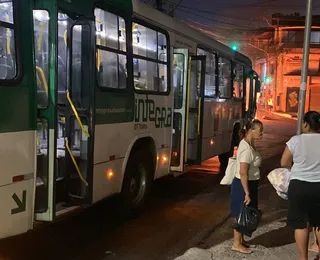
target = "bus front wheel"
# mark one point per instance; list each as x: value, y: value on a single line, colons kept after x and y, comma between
x: 137, y: 180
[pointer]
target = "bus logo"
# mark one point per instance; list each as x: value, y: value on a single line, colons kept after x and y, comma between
x: 146, y: 111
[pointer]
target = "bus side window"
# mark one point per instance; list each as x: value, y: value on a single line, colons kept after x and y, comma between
x: 225, y: 78
x: 111, y: 50
x: 41, y: 40
x: 238, y: 81
x: 8, y: 63
x: 63, y: 24
x: 150, y: 59
x: 210, y: 80
x: 79, y: 63
x: 178, y: 78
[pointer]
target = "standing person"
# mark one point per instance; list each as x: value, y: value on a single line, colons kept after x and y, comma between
x: 270, y: 105
x: 301, y: 155
x: 244, y: 188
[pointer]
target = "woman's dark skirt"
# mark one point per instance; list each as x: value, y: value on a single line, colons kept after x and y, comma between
x: 238, y: 196
x: 304, y: 204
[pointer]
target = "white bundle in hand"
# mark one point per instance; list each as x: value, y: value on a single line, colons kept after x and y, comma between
x: 230, y: 172
x: 280, y: 180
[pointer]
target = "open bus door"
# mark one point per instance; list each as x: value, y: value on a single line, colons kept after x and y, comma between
x: 188, y: 83
x: 253, y: 87
x: 194, y: 117
x: 180, y: 83
x: 65, y: 144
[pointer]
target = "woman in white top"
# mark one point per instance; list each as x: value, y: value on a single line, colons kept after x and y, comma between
x: 302, y: 156
x: 244, y: 188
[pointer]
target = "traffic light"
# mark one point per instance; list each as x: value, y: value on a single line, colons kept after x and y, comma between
x: 267, y: 79
x: 235, y: 46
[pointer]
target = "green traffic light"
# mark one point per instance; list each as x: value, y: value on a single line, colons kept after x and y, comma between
x: 235, y: 47
x: 267, y: 80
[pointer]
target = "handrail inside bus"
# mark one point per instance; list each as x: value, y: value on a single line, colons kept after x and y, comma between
x: 199, y: 112
x: 75, y: 162
x: 65, y: 36
x: 98, y: 55
x: 187, y: 105
x: 66, y: 139
x: 41, y: 36
x: 8, y: 36
x: 76, y: 114
x: 44, y: 80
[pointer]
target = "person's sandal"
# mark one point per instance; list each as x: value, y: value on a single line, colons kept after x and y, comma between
x: 247, y: 245
x: 314, y: 248
x: 241, y: 250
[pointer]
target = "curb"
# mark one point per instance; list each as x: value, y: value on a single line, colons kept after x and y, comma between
x: 280, y: 114
x: 285, y: 115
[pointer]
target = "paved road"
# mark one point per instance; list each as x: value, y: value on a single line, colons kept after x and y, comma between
x: 181, y: 213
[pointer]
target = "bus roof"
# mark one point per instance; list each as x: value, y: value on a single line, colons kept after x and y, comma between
x: 167, y: 22
x: 242, y: 58
x: 84, y: 7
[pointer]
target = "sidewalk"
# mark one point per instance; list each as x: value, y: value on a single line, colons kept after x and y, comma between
x: 273, y: 240
x: 265, y: 235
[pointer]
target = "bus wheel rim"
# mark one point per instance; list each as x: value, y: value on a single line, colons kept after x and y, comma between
x: 138, y: 184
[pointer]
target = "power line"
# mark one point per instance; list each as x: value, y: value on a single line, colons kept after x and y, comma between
x: 259, y: 4
x: 176, y: 6
x: 216, y: 14
x: 214, y: 20
x: 237, y: 6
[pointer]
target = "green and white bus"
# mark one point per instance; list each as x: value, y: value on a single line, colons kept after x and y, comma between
x: 103, y: 97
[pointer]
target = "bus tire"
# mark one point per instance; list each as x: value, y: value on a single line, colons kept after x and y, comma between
x: 224, y: 158
x: 137, y: 181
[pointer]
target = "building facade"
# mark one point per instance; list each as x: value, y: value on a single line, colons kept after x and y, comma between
x: 281, y: 67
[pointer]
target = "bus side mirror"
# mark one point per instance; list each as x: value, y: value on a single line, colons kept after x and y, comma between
x: 258, y: 86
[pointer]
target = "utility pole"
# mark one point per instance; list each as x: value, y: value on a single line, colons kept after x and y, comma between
x: 159, y: 5
x: 305, y: 65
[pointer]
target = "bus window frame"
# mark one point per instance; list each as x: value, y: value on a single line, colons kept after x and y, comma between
x: 116, y: 51
x: 233, y: 65
x: 15, y: 82
x: 168, y: 62
x: 49, y: 54
x: 218, y: 77
x: 183, y: 80
x: 204, y: 48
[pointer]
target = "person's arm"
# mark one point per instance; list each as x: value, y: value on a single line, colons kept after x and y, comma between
x: 288, y: 153
x: 244, y: 176
x: 287, y: 158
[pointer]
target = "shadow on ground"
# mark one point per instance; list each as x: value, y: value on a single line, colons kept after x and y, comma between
x: 275, y: 238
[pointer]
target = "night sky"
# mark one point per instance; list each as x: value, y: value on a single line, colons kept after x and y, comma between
x: 239, y: 14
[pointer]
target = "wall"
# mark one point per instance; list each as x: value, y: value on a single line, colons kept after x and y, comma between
x: 289, y: 75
